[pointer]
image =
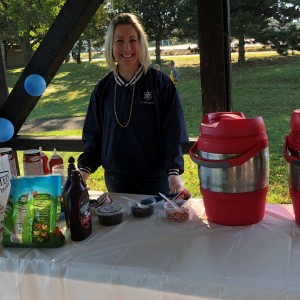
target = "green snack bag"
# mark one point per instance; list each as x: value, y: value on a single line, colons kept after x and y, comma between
x: 41, y: 218
x: 30, y: 217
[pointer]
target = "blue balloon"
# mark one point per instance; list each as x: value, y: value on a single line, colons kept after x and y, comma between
x: 6, y: 130
x: 35, y: 85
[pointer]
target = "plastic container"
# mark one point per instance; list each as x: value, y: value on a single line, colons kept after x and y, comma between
x: 182, y: 215
x: 184, y: 195
x: 102, y: 200
x: 233, y: 162
x: 110, y: 215
x: 141, y: 212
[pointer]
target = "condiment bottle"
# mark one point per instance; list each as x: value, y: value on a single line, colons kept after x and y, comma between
x: 32, y: 163
x: 45, y: 162
x: 56, y: 164
x: 66, y: 187
x: 79, y: 208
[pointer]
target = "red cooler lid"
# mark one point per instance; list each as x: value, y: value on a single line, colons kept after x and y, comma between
x: 231, y: 124
x: 294, y: 135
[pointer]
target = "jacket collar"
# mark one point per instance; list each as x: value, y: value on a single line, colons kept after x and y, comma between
x: 119, y: 80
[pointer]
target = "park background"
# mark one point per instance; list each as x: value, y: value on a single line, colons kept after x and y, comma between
x: 267, y: 85
x: 265, y: 79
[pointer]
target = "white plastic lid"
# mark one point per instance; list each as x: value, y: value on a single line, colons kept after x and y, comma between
x: 5, y: 150
x: 32, y: 151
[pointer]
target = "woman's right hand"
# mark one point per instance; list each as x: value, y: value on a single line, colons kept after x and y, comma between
x: 85, y: 176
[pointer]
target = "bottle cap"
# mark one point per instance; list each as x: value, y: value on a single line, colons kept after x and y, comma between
x: 71, y: 160
x: 55, y: 155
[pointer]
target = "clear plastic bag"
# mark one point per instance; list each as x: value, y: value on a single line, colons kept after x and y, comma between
x: 31, y: 212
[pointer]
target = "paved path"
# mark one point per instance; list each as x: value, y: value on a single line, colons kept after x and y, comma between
x: 43, y: 125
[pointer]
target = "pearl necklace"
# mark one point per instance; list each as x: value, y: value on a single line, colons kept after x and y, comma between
x: 131, y: 106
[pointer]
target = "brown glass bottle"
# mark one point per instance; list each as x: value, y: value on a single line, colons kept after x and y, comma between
x: 66, y: 187
x: 79, y: 208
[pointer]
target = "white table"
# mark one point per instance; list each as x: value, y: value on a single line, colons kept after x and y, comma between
x: 153, y: 258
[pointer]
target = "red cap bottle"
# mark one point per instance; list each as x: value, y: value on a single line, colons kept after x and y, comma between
x: 56, y: 164
x: 45, y: 162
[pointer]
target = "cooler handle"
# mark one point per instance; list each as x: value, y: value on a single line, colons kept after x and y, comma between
x: 232, y: 162
x: 294, y: 160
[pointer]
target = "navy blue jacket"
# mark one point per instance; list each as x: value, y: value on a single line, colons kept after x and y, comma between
x: 151, y: 145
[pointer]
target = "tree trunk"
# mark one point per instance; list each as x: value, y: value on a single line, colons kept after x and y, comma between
x: 90, y: 49
x: 241, y: 58
x: 25, y: 48
x: 24, y: 43
x: 79, y: 51
x: 3, y: 83
x: 157, y: 52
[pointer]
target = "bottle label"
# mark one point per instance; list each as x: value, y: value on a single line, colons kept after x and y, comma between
x: 58, y: 169
x: 11, y: 158
x: 85, y: 212
x: 41, y: 220
x: 32, y: 163
x: 20, y: 219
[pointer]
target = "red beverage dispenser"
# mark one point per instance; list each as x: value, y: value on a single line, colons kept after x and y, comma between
x: 292, y: 156
x: 233, y: 164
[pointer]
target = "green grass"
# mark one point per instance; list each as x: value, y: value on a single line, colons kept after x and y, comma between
x: 266, y: 85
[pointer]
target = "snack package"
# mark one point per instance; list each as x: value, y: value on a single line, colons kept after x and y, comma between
x: 31, y: 212
x: 5, y: 176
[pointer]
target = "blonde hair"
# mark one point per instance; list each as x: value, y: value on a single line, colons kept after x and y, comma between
x: 126, y: 19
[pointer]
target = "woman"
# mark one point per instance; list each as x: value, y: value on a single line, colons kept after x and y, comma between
x: 134, y: 126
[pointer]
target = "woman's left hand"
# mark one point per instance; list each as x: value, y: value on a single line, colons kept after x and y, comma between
x: 175, y: 184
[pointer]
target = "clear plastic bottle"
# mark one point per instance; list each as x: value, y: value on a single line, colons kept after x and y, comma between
x: 66, y: 187
x: 79, y: 208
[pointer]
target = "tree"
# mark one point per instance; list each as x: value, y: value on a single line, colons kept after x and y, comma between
x: 267, y: 21
x: 188, y: 23
x: 95, y: 32
x: 283, y: 34
x: 27, y: 21
x: 159, y: 18
x: 3, y: 83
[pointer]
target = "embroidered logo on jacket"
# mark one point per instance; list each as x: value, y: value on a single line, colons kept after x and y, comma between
x: 147, y: 98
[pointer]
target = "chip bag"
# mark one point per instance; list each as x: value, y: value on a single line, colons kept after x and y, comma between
x: 31, y: 212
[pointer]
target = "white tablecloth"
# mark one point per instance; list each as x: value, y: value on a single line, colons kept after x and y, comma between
x: 153, y: 258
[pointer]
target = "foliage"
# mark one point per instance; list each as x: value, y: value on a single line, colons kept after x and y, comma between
x: 96, y: 28
x: 159, y: 18
x: 267, y: 21
x: 283, y: 41
x: 188, y: 28
x: 25, y: 22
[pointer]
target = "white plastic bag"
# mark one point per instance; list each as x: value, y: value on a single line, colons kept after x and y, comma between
x: 5, y: 176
